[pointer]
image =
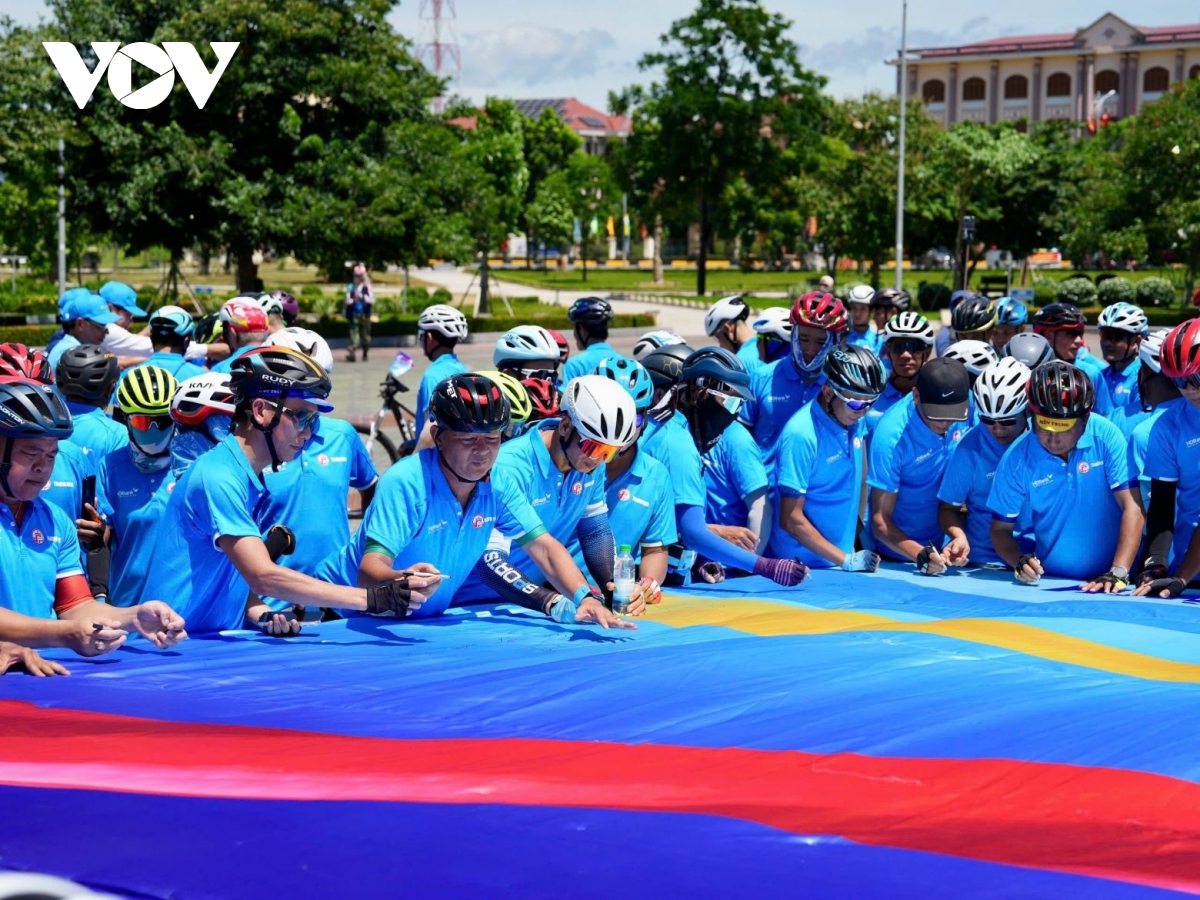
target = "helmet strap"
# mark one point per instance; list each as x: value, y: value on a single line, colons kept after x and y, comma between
x: 276, y: 462
x: 6, y: 467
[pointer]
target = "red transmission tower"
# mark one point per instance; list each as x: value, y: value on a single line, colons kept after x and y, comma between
x: 438, y: 47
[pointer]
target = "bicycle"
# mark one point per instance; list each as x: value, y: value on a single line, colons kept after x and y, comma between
x: 382, y: 450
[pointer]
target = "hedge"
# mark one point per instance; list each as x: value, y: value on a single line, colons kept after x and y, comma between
x: 1155, y: 291
x: 31, y: 335
x: 1116, y: 290
x: 1078, y: 290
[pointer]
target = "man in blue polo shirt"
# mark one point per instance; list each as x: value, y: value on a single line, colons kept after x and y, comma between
x: 908, y: 455
x: 736, y: 485
x: 590, y: 317
x: 86, y: 376
x: 85, y: 317
x: 821, y: 464
x: 439, y: 329
x: 1063, y: 326
x: 862, y: 330
x: 1123, y: 326
x: 1158, y: 394
x: 907, y: 340
x: 1002, y: 403
x: 1070, y: 473
x: 171, y: 329
x: 727, y: 321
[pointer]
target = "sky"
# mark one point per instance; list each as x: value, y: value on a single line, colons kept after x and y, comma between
x: 552, y: 48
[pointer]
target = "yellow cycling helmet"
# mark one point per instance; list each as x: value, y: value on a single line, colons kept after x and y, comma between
x: 518, y: 397
x: 146, y: 390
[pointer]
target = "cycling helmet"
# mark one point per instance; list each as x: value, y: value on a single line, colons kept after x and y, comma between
x: 666, y: 364
x: 973, y: 314
x: 88, y: 372
x: 652, y: 340
x: 544, y: 397
x: 1059, y: 317
x: 525, y: 343
x: 1011, y: 312
x: 975, y: 355
x: 909, y: 326
x: 862, y: 294
x: 817, y: 310
x: 1031, y: 349
x: 307, y: 342
x: 889, y: 297
x: 1150, y: 350
x: 271, y: 305
x: 717, y: 366
x: 1060, y: 390
x: 1180, y: 354
x: 601, y: 410
x: 277, y: 373
x: 171, y: 321
x: 1124, y: 317
x: 291, y: 306
x: 19, y: 361
x: 243, y: 315
x: 590, y: 311
x: 631, y: 376
x: 854, y: 368
x: 708, y: 417
x: 199, y: 397
x: 445, y: 320
x: 1001, y: 390
x: 727, y: 309
x: 520, y: 407
x: 208, y: 329
x: 146, y: 390
x: 774, y: 322
x: 564, y: 349
x: 469, y: 403
x: 31, y: 410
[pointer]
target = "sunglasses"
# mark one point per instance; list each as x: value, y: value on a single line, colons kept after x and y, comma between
x: 1187, y: 381
x: 550, y: 375
x: 852, y: 405
x: 916, y: 348
x: 731, y: 403
x: 597, y: 450
x: 303, y: 420
x: 141, y: 422
x: 1006, y: 422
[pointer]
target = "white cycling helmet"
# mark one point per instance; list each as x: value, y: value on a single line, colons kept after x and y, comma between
x: 272, y: 306
x: 727, y: 309
x: 909, y: 326
x: 1000, y: 391
x: 601, y: 409
x: 307, y: 342
x: 525, y: 343
x: 975, y: 355
x: 199, y: 397
x: 1031, y: 349
x: 653, y: 340
x: 1152, y: 343
x: 1124, y: 317
x: 776, y: 322
x: 861, y: 293
x: 447, y: 321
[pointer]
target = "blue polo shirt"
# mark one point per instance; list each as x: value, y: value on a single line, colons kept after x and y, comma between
x: 822, y: 462
x: 641, y: 509
x: 1173, y: 454
x: 1095, y: 369
x: 672, y: 445
x: 55, y: 353
x: 869, y: 339
x: 65, y: 487
x: 1123, y: 386
x: 225, y: 366
x: 1074, y: 517
x: 1139, y: 443
x: 310, y: 494
x: 34, y: 555
x: 95, y: 434
x: 779, y: 390
x: 173, y: 363
x: 417, y: 518
x: 889, y: 398
x: 908, y: 459
x: 133, y: 505
x: 733, y: 469
x: 439, y: 370
x: 585, y: 361
x: 968, y: 482
x: 748, y: 354
x: 219, y: 496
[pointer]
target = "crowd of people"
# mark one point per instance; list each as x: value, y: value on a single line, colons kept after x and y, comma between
x: 187, y: 478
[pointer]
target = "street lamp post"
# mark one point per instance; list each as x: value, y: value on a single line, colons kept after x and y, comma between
x: 902, y: 68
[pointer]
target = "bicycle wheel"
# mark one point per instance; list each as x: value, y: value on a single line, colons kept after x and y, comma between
x: 383, y: 454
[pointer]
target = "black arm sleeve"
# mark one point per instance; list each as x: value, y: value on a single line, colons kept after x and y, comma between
x: 495, y: 571
x: 1160, y: 521
x: 596, y: 542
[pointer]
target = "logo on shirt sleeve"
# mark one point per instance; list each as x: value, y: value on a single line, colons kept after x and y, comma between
x: 1083, y: 467
x: 323, y: 459
x: 577, y: 489
x: 623, y: 494
x: 38, y: 536
x: 477, y: 522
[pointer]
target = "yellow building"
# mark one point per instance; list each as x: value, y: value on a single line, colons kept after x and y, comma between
x: 1054, y: 76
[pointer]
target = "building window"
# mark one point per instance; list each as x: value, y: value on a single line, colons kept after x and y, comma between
x: 974, y: 89
x: 1156, y: 79
x: 1016, y: 87
x: 1106, y: 81
x: 1193, y: 71
x: 1058, y: 85
x: 934, y: 91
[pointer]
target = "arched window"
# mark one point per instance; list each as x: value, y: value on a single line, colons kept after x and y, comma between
x: 1156, y: 79
x: 1016, y: 87
x: 1106, y: 81
x: 1193, y: 71
x: 974, y: 89
x: 1058, y: 85
x: 934, y: 91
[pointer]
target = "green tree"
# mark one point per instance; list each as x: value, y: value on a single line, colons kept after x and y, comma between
x: 549, y: 144
x: 733, y: 102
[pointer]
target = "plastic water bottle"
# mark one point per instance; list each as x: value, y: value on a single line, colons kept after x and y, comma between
x: 624, y: 578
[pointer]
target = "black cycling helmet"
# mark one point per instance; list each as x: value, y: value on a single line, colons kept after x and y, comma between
x: 469, y: 403
x: 973, y: 314
x: 29, y: 410
x: 87, y: 372
x: 1031, y: 349
x: 590, y: 311
x: 713, y: 365
x: 708, y: 415
x: 1061, y: 391
x: 854, y: 368
x: 276, y: 373
x: 665, y: 364
x: 1059, y: 317
x: 889, y: 297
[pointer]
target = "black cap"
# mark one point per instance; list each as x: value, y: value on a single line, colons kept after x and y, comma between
x: 943, y: 386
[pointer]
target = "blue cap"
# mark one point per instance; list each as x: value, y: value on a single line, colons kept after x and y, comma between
x: 90, y: 306
x: 71, y: 296
x: 121, y: 295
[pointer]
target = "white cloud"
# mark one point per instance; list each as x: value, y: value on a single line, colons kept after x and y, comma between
x: 529, y: 55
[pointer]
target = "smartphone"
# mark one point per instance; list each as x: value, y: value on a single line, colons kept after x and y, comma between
x: 89, y: 496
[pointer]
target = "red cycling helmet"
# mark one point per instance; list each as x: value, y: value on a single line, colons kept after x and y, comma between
x: 1180, y: 353
x: 545, y: 398
x: 19, y: 361
x: 564, y: 349
x: 818, y: 309
x: 1059, y: 317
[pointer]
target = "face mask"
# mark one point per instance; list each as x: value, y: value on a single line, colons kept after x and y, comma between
x: 662, y: 410
x: 708, y: 420
x: 219, y: 427
x: 149, y: 463
x: 810, y: 368
x: 189, y: 445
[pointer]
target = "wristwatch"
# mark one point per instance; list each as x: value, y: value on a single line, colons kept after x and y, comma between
x: 1120, y: 572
